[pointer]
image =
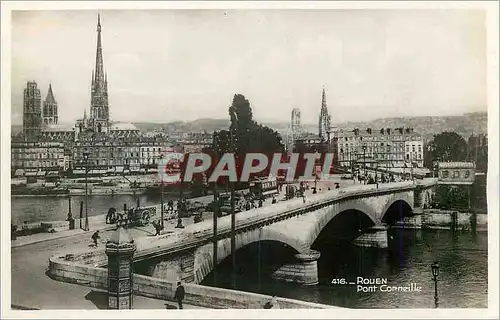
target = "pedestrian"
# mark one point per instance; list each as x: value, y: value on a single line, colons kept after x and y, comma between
x: 94, y: 237
x: 260, y: 203
x: 274, y: 200
x: 157, y: 226
x: 179, y: 294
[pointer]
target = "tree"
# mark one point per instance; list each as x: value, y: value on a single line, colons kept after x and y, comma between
x: 447, y: 146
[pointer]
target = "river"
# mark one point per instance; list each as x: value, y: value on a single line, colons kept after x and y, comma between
x: 463, y: 278
x: 55, y: 208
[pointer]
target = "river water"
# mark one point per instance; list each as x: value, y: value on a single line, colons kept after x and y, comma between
x: 55, y: 208
x: 463, y: 278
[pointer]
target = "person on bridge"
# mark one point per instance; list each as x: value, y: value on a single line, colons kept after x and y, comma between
x: 179, y: 294
x: 95, y: 237
x: 157, y: 226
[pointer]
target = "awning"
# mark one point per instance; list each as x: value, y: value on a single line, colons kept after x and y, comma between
x: 119, y: 169
x: 111, y: 170
x: 19, y: 172
x: 40, y: 173
x: 30, y: 174
x: 52, y: 174
x: 153, y: 170
x: 78, y: 171
x: 126, y: 171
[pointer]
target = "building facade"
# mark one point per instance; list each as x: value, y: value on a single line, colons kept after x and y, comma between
x: 36, y: 156
x: 384, y: 148
x: 32, y: 112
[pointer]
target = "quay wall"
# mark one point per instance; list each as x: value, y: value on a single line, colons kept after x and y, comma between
x: 445, y: 220
x: 82, y: 269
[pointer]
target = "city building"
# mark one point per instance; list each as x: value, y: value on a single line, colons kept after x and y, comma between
x: 195, y: 141
x: 384, y: 148
x: 37, y: 157
x: 308, y: 143
x: 32, y: 112
x: 102, y: 154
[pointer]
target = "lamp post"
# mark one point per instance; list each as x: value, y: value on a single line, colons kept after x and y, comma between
x: 233, y: 217
x: 411, y: 164
x: 161, y: 198
x: 216, y: 208
x: 86, y: 157
x: 364, y: 158
x: 435, y: 274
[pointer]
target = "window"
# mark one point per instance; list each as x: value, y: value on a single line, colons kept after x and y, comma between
x: 466, y: 174
x: 445, y: 173
x: 456, y: 174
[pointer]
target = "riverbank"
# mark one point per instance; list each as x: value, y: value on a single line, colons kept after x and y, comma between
x: 438, y: 219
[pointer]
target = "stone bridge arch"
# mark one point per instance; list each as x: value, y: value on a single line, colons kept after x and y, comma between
x: 373, y: 208
x: 203, y: 256
x: 406, y: 197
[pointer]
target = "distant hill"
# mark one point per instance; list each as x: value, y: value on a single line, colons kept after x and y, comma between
x: 464, y: 125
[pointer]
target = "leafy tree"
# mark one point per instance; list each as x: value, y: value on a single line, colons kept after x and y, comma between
x: 447, y: 146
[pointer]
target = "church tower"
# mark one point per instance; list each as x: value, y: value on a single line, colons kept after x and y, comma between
x: 99, y: 109
x: 324, y: 119
x: 32, y: 112
x: 50, y: 112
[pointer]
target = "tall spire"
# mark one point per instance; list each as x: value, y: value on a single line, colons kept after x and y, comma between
x: 324, y: 117
x: 99, y: 65
x: 50, y: 95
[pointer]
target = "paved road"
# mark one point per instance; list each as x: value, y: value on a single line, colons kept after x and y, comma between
x: 31, y: 287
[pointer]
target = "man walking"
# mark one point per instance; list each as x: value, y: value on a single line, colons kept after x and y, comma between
x: 95, y: 237
x: 179, y: 294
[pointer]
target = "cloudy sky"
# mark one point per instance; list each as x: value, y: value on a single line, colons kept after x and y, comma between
x: 166, y: 65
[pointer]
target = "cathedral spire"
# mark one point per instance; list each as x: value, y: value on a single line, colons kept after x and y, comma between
x: 99, y: 65
x: 50, y: 95
x: 324, y: 117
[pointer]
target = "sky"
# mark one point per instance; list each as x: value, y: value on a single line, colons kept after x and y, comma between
x: 169, y: 65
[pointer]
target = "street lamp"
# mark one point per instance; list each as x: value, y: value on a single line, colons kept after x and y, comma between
x: 216, y: 206
x: 364, y: 157
x: 161, y: 197
x: 86, y: 157
x: 435, y: 274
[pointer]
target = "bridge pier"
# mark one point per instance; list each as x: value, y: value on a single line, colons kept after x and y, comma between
x: 177, y: 268
x: 375, y: 237
x: 303, y: 270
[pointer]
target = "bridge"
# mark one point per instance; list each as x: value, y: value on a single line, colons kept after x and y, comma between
x: 296, y: 225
